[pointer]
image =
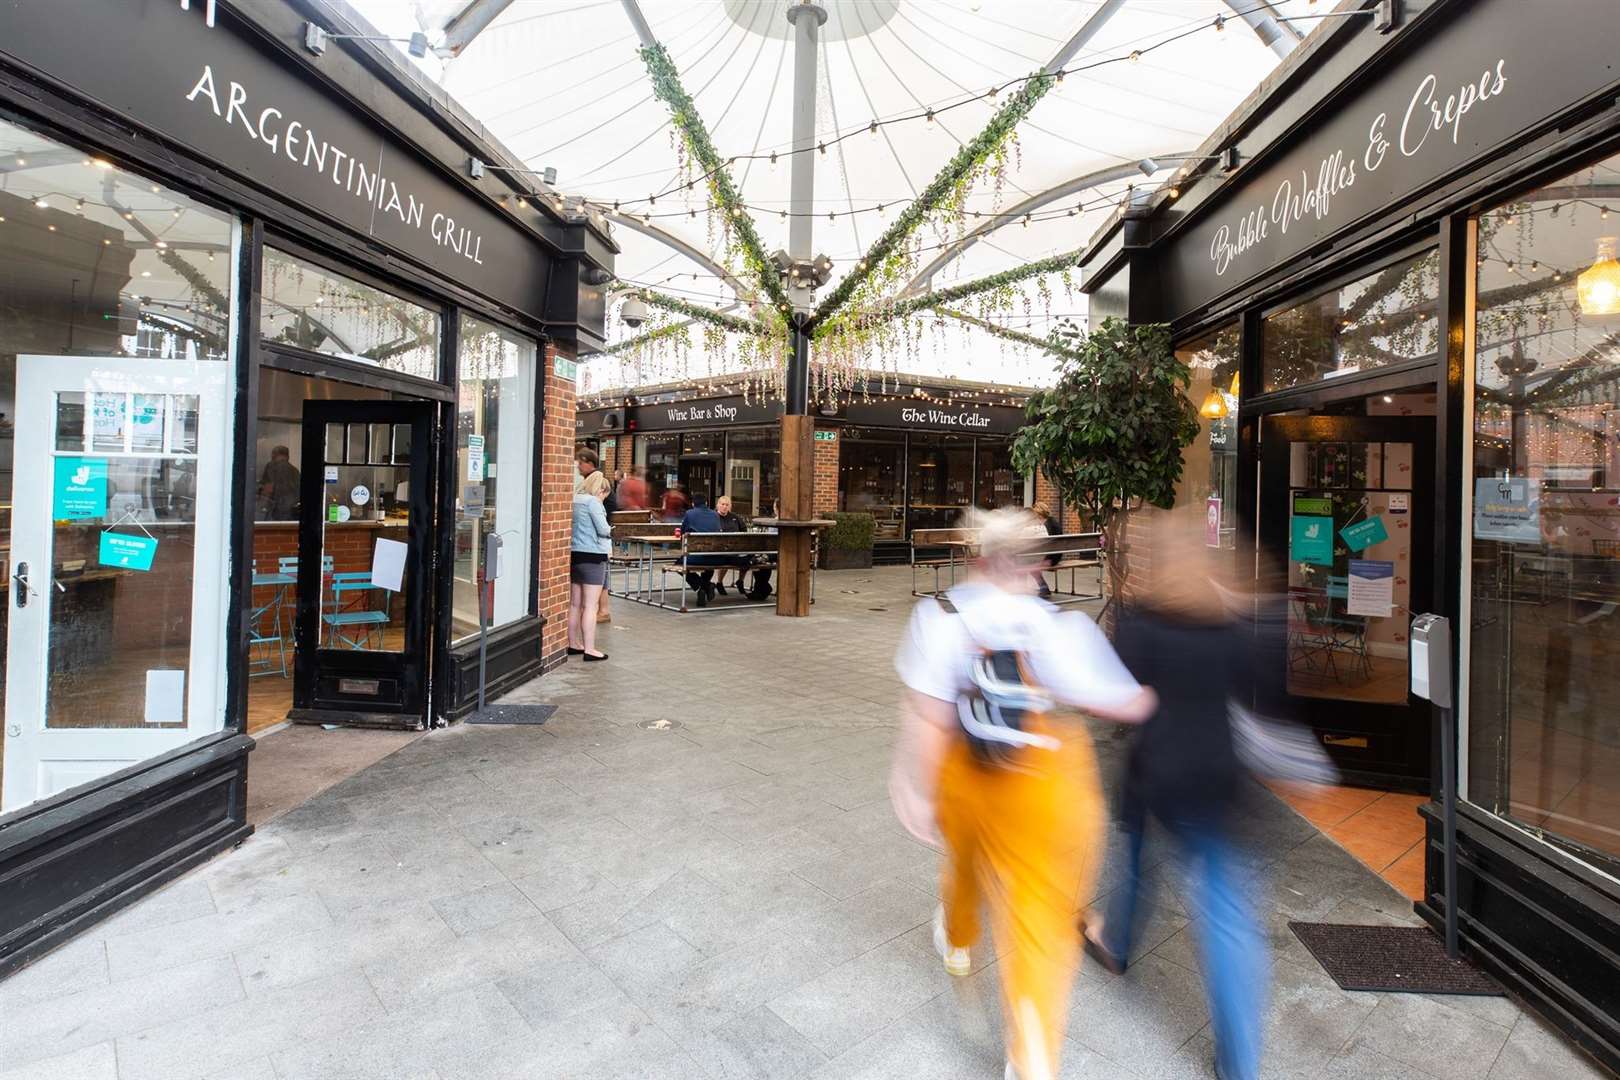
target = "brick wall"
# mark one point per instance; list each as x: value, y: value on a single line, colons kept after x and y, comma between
x: 1047, y: 492
x: 826, y: 478
x: 556, y: 508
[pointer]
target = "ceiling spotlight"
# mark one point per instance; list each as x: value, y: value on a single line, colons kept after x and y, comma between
x: 162, y: 244
x: 1147, y: 166
x: 42, y: 203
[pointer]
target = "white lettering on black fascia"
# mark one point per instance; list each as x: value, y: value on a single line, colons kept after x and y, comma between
x: 367, y: 185
x: 1312, y: 196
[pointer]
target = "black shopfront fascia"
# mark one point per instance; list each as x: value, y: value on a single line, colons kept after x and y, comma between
x: 71, y: 860
x: 1545, y: 923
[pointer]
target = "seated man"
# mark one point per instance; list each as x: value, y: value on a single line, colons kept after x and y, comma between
x: 702, y: 519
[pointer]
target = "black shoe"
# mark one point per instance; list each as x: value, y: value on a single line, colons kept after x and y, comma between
x: 708, y: 588
x: 575, y: 652
x: 702, y: 595
x: 1110, y: 963
x: 721, y: 589
x: 590, y: 659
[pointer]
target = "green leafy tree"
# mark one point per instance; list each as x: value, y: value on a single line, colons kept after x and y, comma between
x: 1110, y: 434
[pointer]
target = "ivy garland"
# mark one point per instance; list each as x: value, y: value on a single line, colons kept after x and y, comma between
x: 1058, y: 264
x: 968, y: 163
x: 1008, y: 333
x: 667, y: 88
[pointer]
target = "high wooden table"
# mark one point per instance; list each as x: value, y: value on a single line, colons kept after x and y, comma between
x: 793, y: 576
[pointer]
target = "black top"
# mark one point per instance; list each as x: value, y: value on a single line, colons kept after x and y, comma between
x: 1182, y: 763
x: 731, y: 523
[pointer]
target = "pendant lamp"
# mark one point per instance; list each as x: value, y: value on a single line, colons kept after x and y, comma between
x: 1214, y: 406
x: 1598, y: 287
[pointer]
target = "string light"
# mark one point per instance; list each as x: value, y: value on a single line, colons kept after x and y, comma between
x: 823, y: 148
x: 930, y: 116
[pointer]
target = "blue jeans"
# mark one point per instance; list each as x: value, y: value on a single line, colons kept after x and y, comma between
x: 1232, y: 949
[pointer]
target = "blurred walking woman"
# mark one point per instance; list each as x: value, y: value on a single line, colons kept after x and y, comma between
x: 989, y: 763
x: 587, y: 573
x: 1181, y: 639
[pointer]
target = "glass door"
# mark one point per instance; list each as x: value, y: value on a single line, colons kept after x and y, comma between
x: 364, y: 553
x: 1346, y: 506
x: 117, y: 592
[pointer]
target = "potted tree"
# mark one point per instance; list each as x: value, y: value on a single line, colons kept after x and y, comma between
x: 848, y: 544
x: 1110, y: 433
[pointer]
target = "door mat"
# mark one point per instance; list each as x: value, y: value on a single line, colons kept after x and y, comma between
x: 513, y: 714
x: 1395, y: 959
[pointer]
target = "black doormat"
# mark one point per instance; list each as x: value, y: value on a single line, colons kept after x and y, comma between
x: 1397, y: 959
x: 512, y: 714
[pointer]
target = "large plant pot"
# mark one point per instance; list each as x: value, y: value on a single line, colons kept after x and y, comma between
x: 845, y: 559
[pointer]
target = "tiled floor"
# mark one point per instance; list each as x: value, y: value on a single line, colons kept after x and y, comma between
x: 726, y: 895
x: 1381, y: 828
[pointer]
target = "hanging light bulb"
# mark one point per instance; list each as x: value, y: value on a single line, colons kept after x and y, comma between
x: 1598, y: 286
x: 1058, y: 76
x: 1220, y: 24
x: 823, y: 148
x: 929, y: 116
x: 871, y: 129
x: 1136, y: 54
x: 773, y: 159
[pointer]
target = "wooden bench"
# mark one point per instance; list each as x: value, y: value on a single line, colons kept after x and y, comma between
x: 1072, y: 552
x: 750, y: 552
x: 938, y: 548
x: 629, y: 517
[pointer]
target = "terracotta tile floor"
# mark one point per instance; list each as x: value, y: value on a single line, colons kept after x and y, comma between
x: 1381, y: 828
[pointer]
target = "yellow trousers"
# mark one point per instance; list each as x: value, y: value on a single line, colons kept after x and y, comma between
x: 1024, y: 841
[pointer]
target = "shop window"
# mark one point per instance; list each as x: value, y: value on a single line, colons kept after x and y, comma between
x: 1209, y: 464
x: 754, y: 471
x: 1386, y: 318
x: 871, y: 473
x: 661, y: 457
x: 999, y: 484
x: 495, y: 421
x: 940, y: 478
x: 1543, y: 652
x: 115, y: 314
x: 315, y: 309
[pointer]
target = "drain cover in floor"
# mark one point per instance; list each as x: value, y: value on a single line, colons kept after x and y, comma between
x: 1400, y: 959
x: 513, y: 714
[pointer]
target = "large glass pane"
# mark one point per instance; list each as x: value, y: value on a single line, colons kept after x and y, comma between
x: 495, y: 472
x: 324, y: 312
x: 1209, y: 464
x: 1543, y: 678
x: 871, y: 471
x: 115, y: 307
x: 940, y: 476
x: 999, y: 484
x: 1388, y: 317
x: 663, y: 471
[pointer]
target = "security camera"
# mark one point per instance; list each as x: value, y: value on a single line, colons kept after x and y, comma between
x: 633, y: 312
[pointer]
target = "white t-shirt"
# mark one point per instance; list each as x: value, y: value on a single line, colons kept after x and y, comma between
x: 1066, y: 653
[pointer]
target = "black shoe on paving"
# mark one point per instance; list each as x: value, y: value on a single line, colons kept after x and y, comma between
x: 702, y: 596
x: 721, y: 589
x: 575, y: 652
x: 589, y: 658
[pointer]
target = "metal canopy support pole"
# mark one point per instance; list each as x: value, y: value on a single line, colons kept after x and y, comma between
x: 798, y: 427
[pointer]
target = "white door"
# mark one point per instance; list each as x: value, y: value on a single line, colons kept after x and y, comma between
x: 115, y: 650
x: 743, y: 487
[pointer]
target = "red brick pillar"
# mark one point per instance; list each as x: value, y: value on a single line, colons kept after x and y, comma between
x: 826, y: 480
x: 556, y: 506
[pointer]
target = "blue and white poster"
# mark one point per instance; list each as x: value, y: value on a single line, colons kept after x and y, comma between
x: 80, y: 489
x: 1507, y: 509
x: 127, y: 551
x: 1371, y: 588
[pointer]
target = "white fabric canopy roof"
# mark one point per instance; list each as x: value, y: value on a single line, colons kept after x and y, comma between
x: 561, y: 84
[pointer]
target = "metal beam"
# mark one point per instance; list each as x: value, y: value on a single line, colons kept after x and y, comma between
x: 632, y: 11
x: 469, y: 22
x: 1087, y: 31
x: 1035, y: 202
x: 669, y: 239
x: 1265, y: 28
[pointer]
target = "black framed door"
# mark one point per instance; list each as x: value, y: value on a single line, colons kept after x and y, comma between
x: 1346, y: 509
x: 365, y: 561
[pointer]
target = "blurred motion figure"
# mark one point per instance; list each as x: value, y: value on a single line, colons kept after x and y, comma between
x: 987, y: 763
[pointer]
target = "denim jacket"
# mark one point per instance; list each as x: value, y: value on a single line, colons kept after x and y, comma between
x: 592, y: 532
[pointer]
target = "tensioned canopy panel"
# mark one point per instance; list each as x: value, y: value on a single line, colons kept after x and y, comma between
x: 561, y: 84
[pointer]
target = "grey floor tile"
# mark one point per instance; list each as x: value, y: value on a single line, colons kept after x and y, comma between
x: 78, y: 965
x: 176, y: 902
x: 1141, y: 1019
x: 1434, y: 1038
x: 226, y: 931
x: 1361, y: 1062
x: 862, y: 996
x: 58, y: 1025
x: 567, y: 987
x: 760, y: 1045
x: 96, y: 1062
x: 193, y: 1048
x: 408, y: 1046
x: 414, y: 978
x: 352, y: 940
x: 1535, y: 1050
x: 484, y: 907
x: 644, y: 958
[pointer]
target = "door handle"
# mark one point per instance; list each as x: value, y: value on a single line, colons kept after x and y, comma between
x: 20, y: 577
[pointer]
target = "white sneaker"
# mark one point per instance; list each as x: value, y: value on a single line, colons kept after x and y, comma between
x: 957, y: 961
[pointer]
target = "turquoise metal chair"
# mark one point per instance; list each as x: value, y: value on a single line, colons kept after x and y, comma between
x: 354, y: 627
x: 267, y: 645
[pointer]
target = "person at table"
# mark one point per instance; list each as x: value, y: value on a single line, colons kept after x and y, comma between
x: 729, y: 522
x: 278, y: 486
x: 1043, y: 515
x: 675, y: 504
x: 701, y: 518
x: 632, y: 491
